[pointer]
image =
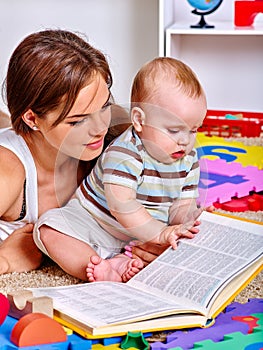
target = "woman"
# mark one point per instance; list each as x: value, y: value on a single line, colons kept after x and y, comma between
x: 58, y: 94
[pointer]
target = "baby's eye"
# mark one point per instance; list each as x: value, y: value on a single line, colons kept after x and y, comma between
x: 194, y: 131
x: 173, y: 131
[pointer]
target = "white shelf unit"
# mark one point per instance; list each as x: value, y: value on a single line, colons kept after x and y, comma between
x: 227, y: 59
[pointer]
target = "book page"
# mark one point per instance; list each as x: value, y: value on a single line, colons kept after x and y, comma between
x: 181, y: 280
x: 102, y: 303
x: 196, y: 270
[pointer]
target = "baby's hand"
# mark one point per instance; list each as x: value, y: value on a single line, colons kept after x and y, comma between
x: 190, y: 219
x: 188, y: 229
x: 171, y: 234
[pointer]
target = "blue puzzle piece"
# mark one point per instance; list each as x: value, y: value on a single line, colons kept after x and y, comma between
x: 251, y: 307
x: 256, y: 346
x: 219, y: 179
x: 78, y: 343
x: 210, y: 151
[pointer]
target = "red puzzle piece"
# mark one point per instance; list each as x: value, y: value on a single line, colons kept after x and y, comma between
x: 253, y: 202
x: 251, y: 321
x: 4, y: 308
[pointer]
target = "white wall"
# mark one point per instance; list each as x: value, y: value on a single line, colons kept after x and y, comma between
x: 228, y: 63
x: 125, y: 30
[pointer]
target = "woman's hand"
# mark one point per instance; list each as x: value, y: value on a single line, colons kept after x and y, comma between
x: 18, y: 253
x: 147, y: 252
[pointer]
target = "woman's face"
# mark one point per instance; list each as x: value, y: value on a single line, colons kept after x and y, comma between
x: 81, y: 134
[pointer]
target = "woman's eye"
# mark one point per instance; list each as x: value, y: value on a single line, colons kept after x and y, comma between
x: 86, y: 116
x: 107, y: 104
x: 77, y: 122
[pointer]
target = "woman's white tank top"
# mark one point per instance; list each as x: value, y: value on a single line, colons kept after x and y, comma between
x: 15, y: 143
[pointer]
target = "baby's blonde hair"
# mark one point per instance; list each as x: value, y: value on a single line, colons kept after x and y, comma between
x: 149, y: 78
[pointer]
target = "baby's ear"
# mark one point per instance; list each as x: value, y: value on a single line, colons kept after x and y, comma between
x: 137, y: 118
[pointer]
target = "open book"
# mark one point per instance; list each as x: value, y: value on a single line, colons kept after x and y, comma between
x: 186, y: 287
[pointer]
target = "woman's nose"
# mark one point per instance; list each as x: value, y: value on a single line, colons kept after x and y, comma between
x: 101, y: 122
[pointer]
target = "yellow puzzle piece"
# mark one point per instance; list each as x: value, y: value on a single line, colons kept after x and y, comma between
x: 215, y: 147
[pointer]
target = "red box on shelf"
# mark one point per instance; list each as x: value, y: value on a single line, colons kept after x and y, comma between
x: 232, y: 124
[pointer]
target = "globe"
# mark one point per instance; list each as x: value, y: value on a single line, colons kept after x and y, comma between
x: 205, y: 7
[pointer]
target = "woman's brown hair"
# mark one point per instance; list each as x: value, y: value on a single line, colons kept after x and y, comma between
x: 46, y: 71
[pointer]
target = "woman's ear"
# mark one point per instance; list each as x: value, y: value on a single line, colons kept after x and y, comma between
x: 29, y: 118
x: 137, y: 118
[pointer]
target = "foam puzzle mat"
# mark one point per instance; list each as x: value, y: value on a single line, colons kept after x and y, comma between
x: 239, y: 327
x: 228, y: 169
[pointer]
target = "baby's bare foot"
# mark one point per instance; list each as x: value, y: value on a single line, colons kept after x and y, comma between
x: 133, y: 266
x: 99, y: 269
x: 118, y: 269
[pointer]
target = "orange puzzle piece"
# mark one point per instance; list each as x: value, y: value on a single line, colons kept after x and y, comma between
x: 36, y: 329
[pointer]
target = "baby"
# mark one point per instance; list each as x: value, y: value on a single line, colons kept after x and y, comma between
x: 144, y: 186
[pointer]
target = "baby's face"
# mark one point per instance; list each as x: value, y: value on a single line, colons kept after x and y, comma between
x: 171, y: 124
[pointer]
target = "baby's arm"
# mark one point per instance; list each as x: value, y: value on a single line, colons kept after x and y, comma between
x: 137, y: 221
x: 184, y: 211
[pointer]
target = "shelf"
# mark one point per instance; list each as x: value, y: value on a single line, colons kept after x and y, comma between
x: 221, y: 28
x: 227, y: 59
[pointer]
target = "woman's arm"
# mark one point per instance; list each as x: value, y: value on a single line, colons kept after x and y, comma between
x: 12, y: 175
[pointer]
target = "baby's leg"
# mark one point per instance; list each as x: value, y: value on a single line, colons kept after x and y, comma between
x: 119, y: 268
x: 69, y: 253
